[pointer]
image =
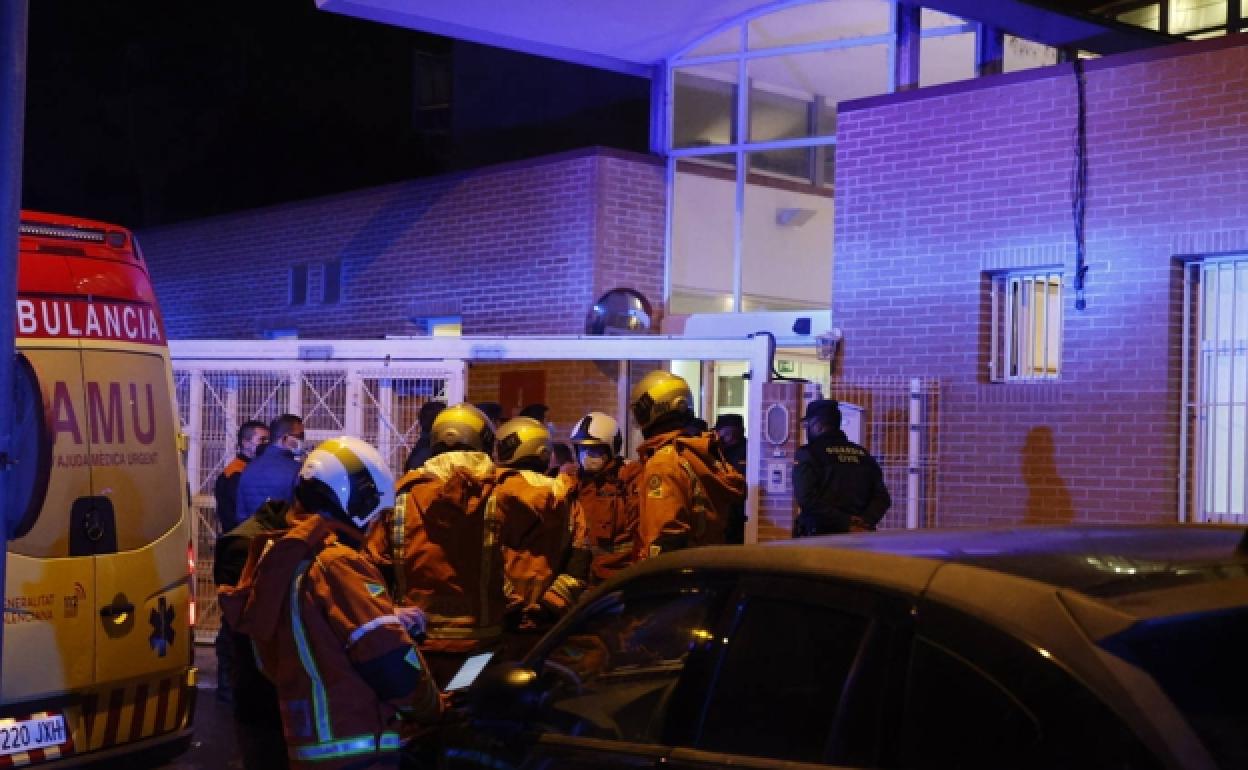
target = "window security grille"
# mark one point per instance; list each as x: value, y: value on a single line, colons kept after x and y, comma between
x: 1026, y: 326
x: 1216, y: 398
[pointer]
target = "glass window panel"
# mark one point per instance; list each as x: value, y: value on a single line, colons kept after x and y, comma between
x: 299, y: 284
x: 826, y: 77
x: 777, y: 116
x: 727, y: 41
x: 930, y: 19
x: 1148, y: 17
x: 818, y: 22
x: 946, y: 59
x: 703, y: 227
x: 1022, y: 54
x: 332, y: 285
x: 946, y: 699
x: 704, y: 105
x: 786, y: 244
x: 1189, y: 15
x: 825, y: 165
x: 795, y: 163
x: 765, y: 706
x: 611, y: 674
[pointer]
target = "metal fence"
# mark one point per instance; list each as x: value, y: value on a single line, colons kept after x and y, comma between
x: 900, y: 429
x: 362, y: 398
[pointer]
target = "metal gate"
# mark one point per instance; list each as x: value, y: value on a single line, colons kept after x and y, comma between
x: 361, y: 397
x: 901, y: 416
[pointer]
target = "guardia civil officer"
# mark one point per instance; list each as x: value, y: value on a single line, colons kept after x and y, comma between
x: 838, y: 484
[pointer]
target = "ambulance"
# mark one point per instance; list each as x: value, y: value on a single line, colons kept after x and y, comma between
x: 96, y: 658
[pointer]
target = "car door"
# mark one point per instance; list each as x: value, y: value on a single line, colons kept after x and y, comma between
x: 807, y: 677
x: 631, y: 663
x: 977, y: 696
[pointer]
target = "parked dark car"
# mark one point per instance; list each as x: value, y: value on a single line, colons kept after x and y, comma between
x: 1107, y: 648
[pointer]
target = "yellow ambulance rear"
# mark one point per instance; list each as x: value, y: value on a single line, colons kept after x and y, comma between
x: 96, y: 651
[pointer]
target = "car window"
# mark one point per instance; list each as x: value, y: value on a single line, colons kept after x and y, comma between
x: 613, y: 673
x: 981, y: 697
x: 957, y: 716
x: 781, y: 680
x: 1199, y: 660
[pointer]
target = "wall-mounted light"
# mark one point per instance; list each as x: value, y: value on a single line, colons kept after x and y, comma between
x: 793, y: 217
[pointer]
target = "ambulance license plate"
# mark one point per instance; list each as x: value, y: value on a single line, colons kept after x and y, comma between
x: 27, y: 734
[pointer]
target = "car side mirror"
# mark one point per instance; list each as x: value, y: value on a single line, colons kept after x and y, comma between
x: 507, y: 691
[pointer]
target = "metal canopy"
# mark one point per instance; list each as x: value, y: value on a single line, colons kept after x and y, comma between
x: 632, y: 36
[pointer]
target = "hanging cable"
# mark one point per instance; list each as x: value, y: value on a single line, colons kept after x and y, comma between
x: 1079, y: 183
x: 771, y: 357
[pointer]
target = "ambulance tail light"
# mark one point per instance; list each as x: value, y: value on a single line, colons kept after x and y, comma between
x: 190, y: 584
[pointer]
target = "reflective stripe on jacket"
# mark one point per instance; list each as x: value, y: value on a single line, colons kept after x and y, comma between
x: 440, y: 545
x: 684, y: 490
x: 318, y: 613
x: 535, y: 535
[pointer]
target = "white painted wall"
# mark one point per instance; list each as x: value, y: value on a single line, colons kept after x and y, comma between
x: 794, y: 262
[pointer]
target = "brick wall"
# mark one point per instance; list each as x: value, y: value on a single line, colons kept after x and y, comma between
x: 937, y: 187
x: 522, y: 248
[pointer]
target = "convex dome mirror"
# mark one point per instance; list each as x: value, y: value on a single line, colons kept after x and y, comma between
x: 619, y: 311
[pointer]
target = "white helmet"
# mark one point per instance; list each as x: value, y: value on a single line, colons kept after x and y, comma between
x: 347, y: 478
x: 598, y: 429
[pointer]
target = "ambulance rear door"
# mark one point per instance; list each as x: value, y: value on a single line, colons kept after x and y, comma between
x: 139, y: 531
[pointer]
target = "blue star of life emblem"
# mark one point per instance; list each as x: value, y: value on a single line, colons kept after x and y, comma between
x: 161, y: 619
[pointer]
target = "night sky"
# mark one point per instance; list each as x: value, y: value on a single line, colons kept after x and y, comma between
x: 144, y: 113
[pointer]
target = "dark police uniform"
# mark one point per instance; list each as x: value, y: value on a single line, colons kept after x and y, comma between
x: 837, y: 484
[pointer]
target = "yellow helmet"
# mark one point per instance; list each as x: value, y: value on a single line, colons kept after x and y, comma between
x: 524, y: 439
x: 658, y: 396
x: 462, y: 426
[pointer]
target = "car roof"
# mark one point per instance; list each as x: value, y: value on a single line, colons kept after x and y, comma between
x: 1100, y: 561
x: 1103, y: 577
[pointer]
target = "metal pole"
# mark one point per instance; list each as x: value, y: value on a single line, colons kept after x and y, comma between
x: 912, y: 475
x: 1185, y: 399
x: 13, y: 19
x: 908, y: 29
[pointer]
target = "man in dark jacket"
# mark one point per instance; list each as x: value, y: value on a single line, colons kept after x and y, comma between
x: 257, y: 714
x: 272, y: 475
x: 422, y: 449
x: 838, y: 484
x: 252, y: 435
x: 731, y: 430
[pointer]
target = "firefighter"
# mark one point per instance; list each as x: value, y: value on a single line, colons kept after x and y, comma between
x: 684, y: 487
x: 325, y: 630
x: 439, y: 547
x: 604, y: 505
x: 536, y: 527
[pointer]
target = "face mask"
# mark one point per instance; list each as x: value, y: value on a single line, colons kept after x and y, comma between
x: 298, y: 448
x: 592, y: 463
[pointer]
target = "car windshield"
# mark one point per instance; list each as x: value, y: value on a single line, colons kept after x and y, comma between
x: 1199, y: 660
